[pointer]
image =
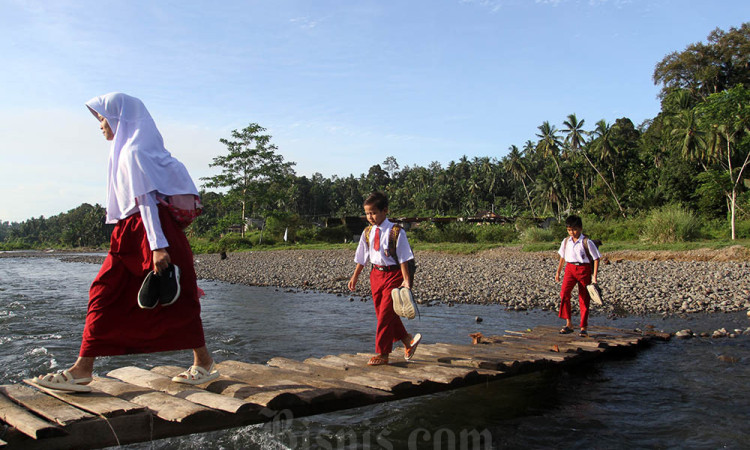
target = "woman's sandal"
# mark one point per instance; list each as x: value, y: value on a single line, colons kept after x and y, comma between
x: 583, y: 333
x: 566, y: 330
x: 63, y: 381
x: 412, y: 348
x: 197, y: 375
x: 378, y: 361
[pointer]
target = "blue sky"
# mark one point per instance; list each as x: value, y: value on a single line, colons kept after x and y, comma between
x: 340, y: 85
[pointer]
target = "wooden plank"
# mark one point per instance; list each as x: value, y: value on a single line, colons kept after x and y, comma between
x: 559, y: 339
x: 253, y: 372
x: 443, y: 356
x: 272, y: 397
x: 26, y: 422
x: 48, y: 407
x: 3, y: 443
x: 96, y: 433
x: 164, y: 406
x: 543, y: 350
x: 498, y: 354
x: 503, y: 352
x: 95, y: 402
x: 438, y: 373
x: 377, y: 381
x: 144, y: 378
x: 323, y: 394
x: 338, y: 363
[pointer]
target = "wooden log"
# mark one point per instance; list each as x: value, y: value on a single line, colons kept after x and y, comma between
x: 503, y: 352
x: 439, y: 373
x: 144, y: 378
x: 443, y: 356
x: 96, y: 433
x: 95, y: 402
x: 26, y: 422
x: 48, y: 407
x: 270, y: 375
x: 577, y: 343
x: 486, y: 353
x: 556, y: 352
x: 164, y: 406
x: 289, y: 396
x: 377, y: 381
x: 338, y: 363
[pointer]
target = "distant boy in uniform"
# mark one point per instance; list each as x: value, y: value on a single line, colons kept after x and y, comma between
x: 388, y: 272
x: 580, y: 257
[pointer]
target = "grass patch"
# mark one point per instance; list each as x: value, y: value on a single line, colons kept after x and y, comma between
x: 453, y: 248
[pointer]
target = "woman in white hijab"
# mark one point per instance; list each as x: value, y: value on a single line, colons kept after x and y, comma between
x: 145, y: 186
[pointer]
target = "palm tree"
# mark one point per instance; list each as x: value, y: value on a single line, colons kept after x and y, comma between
x: 549, y: 144
x: 690, y: 138
x: 575, y: 137
x: 515, y: 165
x: 602, y: 143
x: 549, y: 190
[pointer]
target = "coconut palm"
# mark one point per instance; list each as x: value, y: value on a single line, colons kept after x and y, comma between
x: 602, y: 143
x: 549, y: 144
x: 515, y: 165
x: 689, y: 136
x: 575, y: 136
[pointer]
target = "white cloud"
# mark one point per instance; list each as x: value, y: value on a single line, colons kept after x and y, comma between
x: 492, y: 5
x: 304, y: 22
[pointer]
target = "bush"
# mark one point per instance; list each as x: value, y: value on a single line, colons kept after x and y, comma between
x: 722, y: 229
x: 671, y: 223
x: 741, y: 229
x: 232, y: 242
x: 495, y: 233
x: 279, y: 223
x: 334, y: 235
x: 611, y: 230
x: 534, y: 234
x: 449, y: 232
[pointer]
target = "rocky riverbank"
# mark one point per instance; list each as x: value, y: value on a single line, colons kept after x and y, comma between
x: 633, y: 282
x: 669, y: 283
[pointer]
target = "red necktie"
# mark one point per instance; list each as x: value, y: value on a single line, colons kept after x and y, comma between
x: 376, y: 242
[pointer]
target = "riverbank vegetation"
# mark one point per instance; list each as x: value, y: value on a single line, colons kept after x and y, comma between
x: 680, y: 177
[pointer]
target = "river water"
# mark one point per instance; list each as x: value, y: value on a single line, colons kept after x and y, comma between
x: 678, y: 394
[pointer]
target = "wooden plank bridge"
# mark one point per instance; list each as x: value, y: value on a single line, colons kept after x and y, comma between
x: 136, y: 405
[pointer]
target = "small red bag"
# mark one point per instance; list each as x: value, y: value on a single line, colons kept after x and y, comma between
x: 183, y: 208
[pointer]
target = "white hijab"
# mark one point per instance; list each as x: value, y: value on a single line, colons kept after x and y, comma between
x: 138, y: 161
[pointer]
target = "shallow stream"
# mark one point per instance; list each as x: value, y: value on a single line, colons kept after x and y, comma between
x: 672, y: 395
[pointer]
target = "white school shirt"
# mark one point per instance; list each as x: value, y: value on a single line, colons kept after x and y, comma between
x: 574, y: 251
x: 365, y: 252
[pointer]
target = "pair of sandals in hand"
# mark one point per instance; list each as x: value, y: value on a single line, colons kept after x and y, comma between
x: 65, y: 381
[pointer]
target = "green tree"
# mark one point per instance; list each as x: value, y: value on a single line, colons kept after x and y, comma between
x: 705, y: 69
x: 727, y: 116
x: 516, y: 167
x: 249, y: 171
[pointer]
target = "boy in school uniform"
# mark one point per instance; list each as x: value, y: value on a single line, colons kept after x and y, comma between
x: 388, y: 272
x: 580, y: 258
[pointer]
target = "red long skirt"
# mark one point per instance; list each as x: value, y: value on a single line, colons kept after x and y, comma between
x: 115, y: 324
